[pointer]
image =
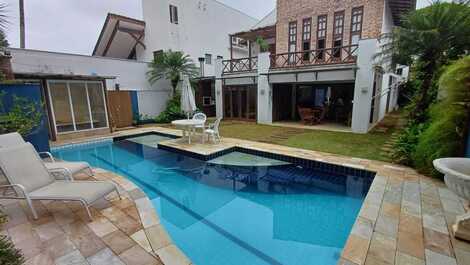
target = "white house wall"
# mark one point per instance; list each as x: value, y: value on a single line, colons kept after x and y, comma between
x: 130, y: 74
x: 203, y: 28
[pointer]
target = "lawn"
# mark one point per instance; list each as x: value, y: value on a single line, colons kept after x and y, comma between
x: 367, y: 146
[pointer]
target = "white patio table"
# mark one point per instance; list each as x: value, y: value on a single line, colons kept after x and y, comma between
x: 188, y: 126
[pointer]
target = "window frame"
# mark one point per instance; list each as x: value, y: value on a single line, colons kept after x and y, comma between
x: 174, y: 14
x: 306, y: 37
x: 338, y: 36
x: 292, y: 36
x: 208, y: 58
x: 322, y: 33
x: 360, y: 24
x: 70, y: 101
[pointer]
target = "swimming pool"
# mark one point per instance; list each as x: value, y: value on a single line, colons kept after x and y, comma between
x: 223, y: 212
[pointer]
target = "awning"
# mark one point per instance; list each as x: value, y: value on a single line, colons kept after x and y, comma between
x: 119, y: 37
x: 251, y: 35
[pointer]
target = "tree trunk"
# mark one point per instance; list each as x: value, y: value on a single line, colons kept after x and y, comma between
x: 174, y: 84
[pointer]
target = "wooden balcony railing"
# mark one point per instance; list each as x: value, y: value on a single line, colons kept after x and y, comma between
x: 337, y: 55
x: 240, y: 65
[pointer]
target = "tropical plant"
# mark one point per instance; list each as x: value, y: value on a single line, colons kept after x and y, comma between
x: 450, y: 117
x: 172, y: 112
x: 263, y: 44
x: 23, y: 116
x: 429, y: 38
x: 171, y: 65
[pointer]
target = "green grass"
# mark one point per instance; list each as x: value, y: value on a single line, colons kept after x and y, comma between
x: 349, y: 144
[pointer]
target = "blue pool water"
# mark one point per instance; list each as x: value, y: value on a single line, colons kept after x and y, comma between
x: 221, y: 214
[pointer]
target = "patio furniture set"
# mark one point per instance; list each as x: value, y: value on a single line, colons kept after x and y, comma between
x: 198, y: 122
x: 29, y: 177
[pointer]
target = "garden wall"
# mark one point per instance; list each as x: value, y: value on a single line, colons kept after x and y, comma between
x: 39, y: 137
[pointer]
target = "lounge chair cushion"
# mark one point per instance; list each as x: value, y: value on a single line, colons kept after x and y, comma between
x: 90, y: 191
x: 74, y: 167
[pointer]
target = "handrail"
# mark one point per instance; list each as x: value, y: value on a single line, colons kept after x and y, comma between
x: 335, y: 55
x: 240, y: 65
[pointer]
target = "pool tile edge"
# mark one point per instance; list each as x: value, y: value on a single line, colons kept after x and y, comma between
x: 168, y: 253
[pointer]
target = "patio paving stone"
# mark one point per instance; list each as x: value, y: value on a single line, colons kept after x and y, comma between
x: 138, y: 256
x: 105, y: 256
x: 88, y: 244
x: 118, y: 242
x: 73, y: 258
x: 438, y: 242
x: 404, y: 259
x: 433, y: 258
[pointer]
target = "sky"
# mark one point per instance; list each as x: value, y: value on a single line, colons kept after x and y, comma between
x: 73, y: 26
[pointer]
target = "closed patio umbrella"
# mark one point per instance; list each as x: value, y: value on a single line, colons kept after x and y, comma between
x: 188, y: 103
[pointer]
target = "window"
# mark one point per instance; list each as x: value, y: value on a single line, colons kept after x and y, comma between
x: 306, y: 36
x: 77, y: 105
x: 208, y: 58
x: 338, y: 28
x: 292, y: 40
x: 356, y: 24
x: 321, y: 36
x: 173, y: 14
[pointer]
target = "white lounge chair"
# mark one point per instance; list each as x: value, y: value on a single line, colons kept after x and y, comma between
x: 71, y: 168
x: 30, y: 179
x: 213, y: 131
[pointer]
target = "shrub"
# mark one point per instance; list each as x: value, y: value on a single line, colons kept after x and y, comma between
x: 407, y: 142
x: 22, y: 117
x: 447, y: 132
x: 172, y: 112
x: 9, y: 255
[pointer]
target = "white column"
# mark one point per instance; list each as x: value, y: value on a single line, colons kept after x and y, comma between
x: 265, y: 94
x: 364, y: 85
x: 219, y: 97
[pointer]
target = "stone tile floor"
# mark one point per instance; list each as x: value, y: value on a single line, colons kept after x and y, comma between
x: 123, y: 231
x: 406, y: 219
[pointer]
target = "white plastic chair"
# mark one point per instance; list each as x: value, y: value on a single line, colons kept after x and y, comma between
x: 213, y: 131
x: 200, y: 117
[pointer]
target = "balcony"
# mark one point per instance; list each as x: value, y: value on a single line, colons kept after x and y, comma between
x: 337, y: 55
x: 293, y: 60
x: 240, y: 65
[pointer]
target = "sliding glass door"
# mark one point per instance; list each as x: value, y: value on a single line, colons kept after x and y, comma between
x: 77, y: 105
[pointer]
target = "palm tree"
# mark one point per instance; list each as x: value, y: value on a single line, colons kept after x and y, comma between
x: 170, y: 65
x: 429, y: 38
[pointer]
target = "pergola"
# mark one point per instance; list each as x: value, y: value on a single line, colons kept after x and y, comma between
x: 251, y: 36
x: 119, y: 37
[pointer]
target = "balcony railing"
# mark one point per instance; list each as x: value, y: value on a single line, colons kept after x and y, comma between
x: 240, y: 65
x: 337, y: 55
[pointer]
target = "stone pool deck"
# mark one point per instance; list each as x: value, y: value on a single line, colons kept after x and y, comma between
x: 406, y: 219
x: 124, y: 231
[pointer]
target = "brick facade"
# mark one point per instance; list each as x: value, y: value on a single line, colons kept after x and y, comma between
x: 297, y: 10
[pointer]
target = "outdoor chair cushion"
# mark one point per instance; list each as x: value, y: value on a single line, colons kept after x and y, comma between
x: 90, y: 191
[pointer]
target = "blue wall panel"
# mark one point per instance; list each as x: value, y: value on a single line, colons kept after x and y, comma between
x: 39, y: 137
x: 135, y: 105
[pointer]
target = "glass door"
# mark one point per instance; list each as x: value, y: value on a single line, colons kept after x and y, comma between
x: 77, y: 105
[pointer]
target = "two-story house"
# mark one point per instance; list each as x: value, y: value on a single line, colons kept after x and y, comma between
x: 316, y: 63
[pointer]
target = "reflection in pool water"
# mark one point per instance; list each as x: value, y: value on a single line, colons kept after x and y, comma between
x: 221, y: 214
